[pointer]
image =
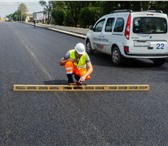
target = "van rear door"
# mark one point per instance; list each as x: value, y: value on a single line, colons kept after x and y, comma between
x: 149, y: 35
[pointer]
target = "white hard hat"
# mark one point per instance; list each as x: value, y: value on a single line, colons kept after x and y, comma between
x: 80, y: 48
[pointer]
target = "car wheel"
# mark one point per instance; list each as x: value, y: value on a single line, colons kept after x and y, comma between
x: 89, y: 49
x: 159, y: 61
x: 116, y: 56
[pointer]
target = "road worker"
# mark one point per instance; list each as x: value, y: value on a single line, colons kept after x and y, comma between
x: 34, y: 22
x: 77, y: 63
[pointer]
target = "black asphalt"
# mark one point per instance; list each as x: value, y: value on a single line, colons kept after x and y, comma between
x: 31, y: 55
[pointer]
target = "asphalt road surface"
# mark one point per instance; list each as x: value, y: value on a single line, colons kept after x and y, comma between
x: 31, y: 55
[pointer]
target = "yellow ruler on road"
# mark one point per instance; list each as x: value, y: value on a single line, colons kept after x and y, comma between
x: 62, y: 88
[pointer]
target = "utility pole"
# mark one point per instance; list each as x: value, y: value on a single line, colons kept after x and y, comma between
x: 21, y: 13
x: 18, y: 9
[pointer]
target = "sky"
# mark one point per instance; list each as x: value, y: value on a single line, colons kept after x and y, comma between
x: 10, y: 6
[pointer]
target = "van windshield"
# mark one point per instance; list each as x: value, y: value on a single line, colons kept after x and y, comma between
x: 149, y: 25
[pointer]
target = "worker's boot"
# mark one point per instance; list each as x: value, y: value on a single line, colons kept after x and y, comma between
x: 70, y: 78
x: 77, y: 77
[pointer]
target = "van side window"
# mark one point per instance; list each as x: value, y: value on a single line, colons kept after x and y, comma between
x: 98, y: 27
x: 119, y: 25
x: 109, y: 25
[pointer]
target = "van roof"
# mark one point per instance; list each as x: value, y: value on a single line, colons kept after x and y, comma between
x: 130, y: 11
x: 126, y: 12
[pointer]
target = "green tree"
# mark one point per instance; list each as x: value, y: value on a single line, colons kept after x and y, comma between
x: 161, y: 5
x: 58, y: 16
x: 88, y: 16
x: 16, y: 16
x: 74, y: 7
x: 10, y: 16
x: 47, y: 8
x: 22, y: 11
x: 68, y: 19
x: 75, y: 12
x: 58, y: 4
x: 58, y: 12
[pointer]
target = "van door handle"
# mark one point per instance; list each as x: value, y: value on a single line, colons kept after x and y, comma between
x: 101, y: 36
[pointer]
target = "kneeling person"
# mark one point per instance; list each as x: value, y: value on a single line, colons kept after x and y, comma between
x: 77, y: 62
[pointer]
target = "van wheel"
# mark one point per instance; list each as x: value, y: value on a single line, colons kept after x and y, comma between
x: 89, y: 49
x: 159, y: 61
x: 116, y: 56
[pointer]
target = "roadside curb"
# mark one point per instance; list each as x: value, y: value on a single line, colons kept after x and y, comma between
x: 69, y: 33
x: 79, y: 34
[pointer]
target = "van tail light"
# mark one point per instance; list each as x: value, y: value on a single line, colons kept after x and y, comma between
x: 127, y: 29
x: 126, y: 49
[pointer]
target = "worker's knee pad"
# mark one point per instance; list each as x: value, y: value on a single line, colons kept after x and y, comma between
x: 82, y: 71
x: 68, y: 64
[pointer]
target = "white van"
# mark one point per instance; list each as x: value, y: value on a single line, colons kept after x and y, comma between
x: 127, y: 34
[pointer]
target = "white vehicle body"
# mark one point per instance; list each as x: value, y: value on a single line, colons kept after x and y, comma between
x: 125, y: 34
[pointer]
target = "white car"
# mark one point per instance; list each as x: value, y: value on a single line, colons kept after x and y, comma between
x: 127, y: 34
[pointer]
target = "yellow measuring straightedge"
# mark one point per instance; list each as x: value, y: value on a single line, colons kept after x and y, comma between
x: 62, y: 88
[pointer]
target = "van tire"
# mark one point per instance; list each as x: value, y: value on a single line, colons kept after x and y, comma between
x: 89, y: 49
x: 159, y: 61
x: 116, y: 56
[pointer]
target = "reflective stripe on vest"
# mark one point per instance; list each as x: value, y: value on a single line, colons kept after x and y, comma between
x: 82, y: 60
